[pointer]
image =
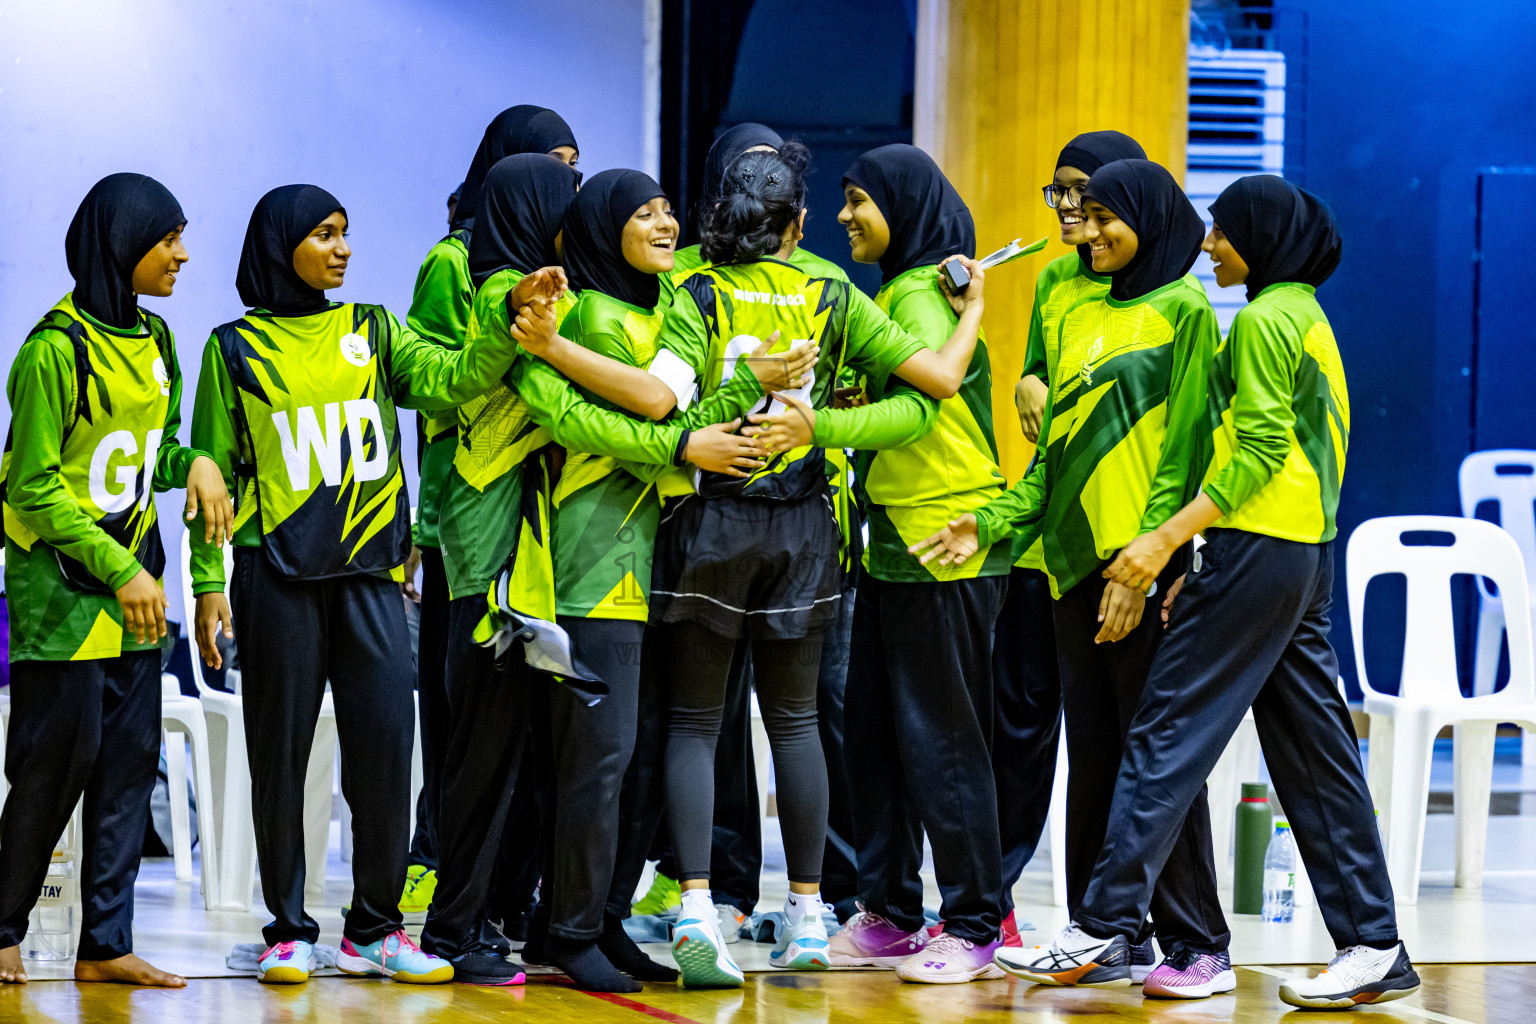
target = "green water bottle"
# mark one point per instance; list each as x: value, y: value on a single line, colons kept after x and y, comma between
x: 1255, y: 821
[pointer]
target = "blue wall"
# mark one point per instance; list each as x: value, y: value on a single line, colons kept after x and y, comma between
x: 382, y: 103
x: 1405, y: 100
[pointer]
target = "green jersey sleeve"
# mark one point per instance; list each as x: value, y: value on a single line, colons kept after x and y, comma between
x: 1186, y: 447
x: 1034, y: 346
x: 877, y: 345
x: 423, y: 375
x: 1020, y: 510
x: 443, y: 296
x: 214, y: 432
x: 41, y: 392
x: 173, y: 462
x: 895, y: 421
x: 1264, y: 366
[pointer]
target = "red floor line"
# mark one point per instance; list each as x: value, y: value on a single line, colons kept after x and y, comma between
x: 638, y: 1007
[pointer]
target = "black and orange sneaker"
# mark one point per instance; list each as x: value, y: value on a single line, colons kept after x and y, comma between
x: 1074, y: 959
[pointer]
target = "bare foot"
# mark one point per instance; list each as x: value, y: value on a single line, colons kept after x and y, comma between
x: 126, y: 970
x: 11, y: 971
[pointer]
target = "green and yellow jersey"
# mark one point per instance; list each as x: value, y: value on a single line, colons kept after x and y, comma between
x: 685, y: 261
x: 1126, y: 437
x: 719, y: 314
x: 913, y: 491
x: 440, y: 305
x: 531, y: 407
x: 1280, y: 412
x: 94, y: 416
x: 300, y: 414
x: 1061, y: 285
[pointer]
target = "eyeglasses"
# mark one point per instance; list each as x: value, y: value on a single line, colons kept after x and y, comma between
x: 1055, y: 194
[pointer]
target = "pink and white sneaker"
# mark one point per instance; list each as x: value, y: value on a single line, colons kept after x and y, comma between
x: 1187, y: 975
x: 869, y: 940
x: 951, y: 960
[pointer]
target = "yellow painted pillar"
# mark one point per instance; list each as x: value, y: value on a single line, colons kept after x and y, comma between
x: 1002, y: 85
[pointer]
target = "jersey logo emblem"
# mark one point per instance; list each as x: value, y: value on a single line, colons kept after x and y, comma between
x: 162, y: 376
x: 354, y: 349
x: 1086, y: 370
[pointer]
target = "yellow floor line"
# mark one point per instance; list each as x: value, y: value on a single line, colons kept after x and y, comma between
x: 1398, y: 1006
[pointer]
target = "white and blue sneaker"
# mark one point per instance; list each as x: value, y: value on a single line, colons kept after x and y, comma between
x: 287, y: 963
x: 803, y: 946
x: 396, y: 957
x: 699, y: 949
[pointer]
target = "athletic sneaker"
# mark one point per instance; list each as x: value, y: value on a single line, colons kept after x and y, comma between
x: 1075, y: 958
x: 1190, y: 975
x: 1143, y: 960
x: 951, y: 960
x: 1011, y: 937
x: 1355, y: 976
x: 420, y: 886
x: 803, y: 946
x: 394, y: 956
x: 731, y: 922
x: 484, y: 967
x: 663, y: 899
x: 869, y: 940
x: 699, y: 949
x: 287, y: 963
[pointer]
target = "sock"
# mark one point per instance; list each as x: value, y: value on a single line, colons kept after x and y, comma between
x: 800, y: 904
x: 587, y: 967
x: 699, y: 903
x: 624, y: 954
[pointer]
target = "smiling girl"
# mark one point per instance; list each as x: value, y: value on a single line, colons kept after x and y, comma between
x: 1124, y: 436
x: 297, y: 404
x: 95, y: 395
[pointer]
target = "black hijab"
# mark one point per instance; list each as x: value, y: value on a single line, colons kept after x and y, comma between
x: 1092, y: 150
x: 927, y: 217
x: 120, y: 219
x: 594, y: 230
x: 524, y: 128
x: 1168, y: 230
x: 1282, y: 232
x: 732, y: 143
x: 524, y: 202
x: 282, y: 219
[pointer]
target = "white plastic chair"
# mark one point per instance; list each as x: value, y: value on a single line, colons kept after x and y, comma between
x: 1403, y: 727
x: 1239, y: 763
x: 180, y: 716
x: 1056, y: 821
x: 229, y: 818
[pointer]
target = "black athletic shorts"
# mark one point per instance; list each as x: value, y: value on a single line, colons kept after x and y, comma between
x: 748, y: 566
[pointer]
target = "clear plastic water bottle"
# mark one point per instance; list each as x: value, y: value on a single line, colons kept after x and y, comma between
x: 1280, y: 876
x: 51, y: 927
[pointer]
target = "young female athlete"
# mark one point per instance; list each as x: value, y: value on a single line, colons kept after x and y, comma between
x: 918, y: 711
x: 440, y: 307
x: 1124, y: 436
x: 95, y: 395
x: 296, y: 403
x: 501, y: 462
x: 1267, y: 510
x: 1026, y: 724
x: 758, y: 557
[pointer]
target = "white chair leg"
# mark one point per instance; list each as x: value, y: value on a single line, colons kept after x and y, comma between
x: 1057, y: 822
x: 237, y: 831
x: 1474, y: 788
x: 1378, y: 769
x: 318, y: 783
x: 1490, y: 639
x: 176, y: 790
x: 207, y: 833
x: 1413, y: 745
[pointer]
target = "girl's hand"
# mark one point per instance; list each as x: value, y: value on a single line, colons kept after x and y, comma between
x: 849, y: 398
x: 1173, y: 592
x: 144, y: 606
x: 972, y: 294
x: 206, y: 491
x: 955, y: 543
x: 412, y: 564
x: 782, y: 371
x: 1139, y: 562
x: 534, y: 326
x: 1120, y: 611
x: 719, y: 449
x: 547, y: 283
x: 781, y: 431
x: 212, y: 615
x: 1029, y: 396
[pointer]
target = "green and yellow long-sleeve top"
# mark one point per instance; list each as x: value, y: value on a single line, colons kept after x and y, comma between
x: 1126, y: 436
x: 94, y: 415
x: 1061, y: 285
x: 300, y: 414
x: 719, y: 314
x: 1280, y: 411
x: 532, y: 406
x: 913, y: 491
x: 440, y: 305
x: 685, y: 261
